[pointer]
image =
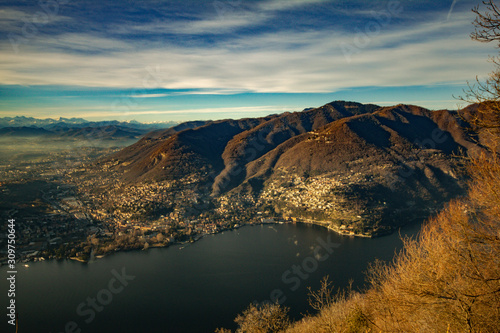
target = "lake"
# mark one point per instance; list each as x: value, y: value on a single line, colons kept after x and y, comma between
x: 193, y: 288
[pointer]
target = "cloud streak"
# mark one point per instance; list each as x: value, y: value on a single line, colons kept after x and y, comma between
x: 276, y: 5
x: 451, y: 9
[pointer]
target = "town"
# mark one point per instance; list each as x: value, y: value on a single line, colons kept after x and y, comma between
x: 69, y: 207
x: 61, y: 212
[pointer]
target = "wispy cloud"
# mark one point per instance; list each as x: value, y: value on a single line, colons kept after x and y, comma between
x: 9, y: 14
x: 13, y: 20
x: 187, y: 92
x: 149, y: 95
x: 429, y: 53
x: 275, y: 5
x: 213, y: 25
x: 84, y: 42
x: 25, y: 25
x: 310, y: 60
x: 234, y: 15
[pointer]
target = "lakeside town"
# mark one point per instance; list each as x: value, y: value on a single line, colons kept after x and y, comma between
x: 66, y: 206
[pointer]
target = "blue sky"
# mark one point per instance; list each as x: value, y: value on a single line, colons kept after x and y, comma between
x: 155, y: 60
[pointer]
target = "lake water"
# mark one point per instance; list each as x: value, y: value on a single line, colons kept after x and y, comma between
x: 195, y: 288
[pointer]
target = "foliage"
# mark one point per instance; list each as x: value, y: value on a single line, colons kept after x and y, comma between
x: 267, y: 318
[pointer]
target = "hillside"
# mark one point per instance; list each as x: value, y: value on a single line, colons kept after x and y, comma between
x: 356, y: 168
x: 223, y: 145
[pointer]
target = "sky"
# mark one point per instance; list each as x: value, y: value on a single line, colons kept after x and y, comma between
x: 169, y: 60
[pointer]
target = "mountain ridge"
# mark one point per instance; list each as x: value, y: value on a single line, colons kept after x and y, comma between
x: 350, y: 153
x: 67, y: 123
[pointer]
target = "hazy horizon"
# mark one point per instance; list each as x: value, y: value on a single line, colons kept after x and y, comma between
x: 167, y: 121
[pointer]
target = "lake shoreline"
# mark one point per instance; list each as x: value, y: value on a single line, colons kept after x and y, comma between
x: 213, y: 280
x: 337, y: 230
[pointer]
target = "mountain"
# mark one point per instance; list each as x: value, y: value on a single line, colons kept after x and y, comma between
x: 23, y: 132
x: 66, y: 123
x: 22, y: 121
x: 223, y: 146
x: 377, y: 166
x: 180, y: 151
x: 360, y: 167
x: 393, y: 135
x: 76, y: 129
x: 62, y: 133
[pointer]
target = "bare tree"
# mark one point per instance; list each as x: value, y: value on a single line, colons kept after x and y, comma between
x: 267, y: 318
x: 487, y: 24
x: 323, y: 297
x: 486, y: 94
